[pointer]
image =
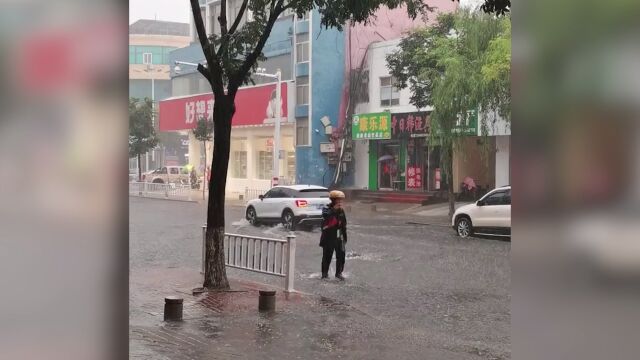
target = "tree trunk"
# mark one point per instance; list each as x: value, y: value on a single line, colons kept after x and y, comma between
x: 204, y: 173
x: 139, y: 169
x: 215, y: 275
x: 447, y: 157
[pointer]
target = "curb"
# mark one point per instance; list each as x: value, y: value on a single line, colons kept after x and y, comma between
x: 165, y: 199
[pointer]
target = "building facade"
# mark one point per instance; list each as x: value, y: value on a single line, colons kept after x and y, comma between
x: 150, y: 42
x: 391, y: 139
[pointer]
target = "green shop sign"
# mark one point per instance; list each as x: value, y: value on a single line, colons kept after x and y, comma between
x: 373, y: 126
x: 467, y: 125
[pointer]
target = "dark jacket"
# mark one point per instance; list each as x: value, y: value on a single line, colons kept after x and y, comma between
x: 332, y: 220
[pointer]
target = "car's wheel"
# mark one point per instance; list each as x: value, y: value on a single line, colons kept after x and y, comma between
x: 464, y: 227
x: 158, y: 181
x: 288, y: 220
x: 252, y: 217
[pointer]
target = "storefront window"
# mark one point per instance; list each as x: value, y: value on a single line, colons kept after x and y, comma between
x: 239, y: 158
x: 291, y: 165
x: 264, y: 164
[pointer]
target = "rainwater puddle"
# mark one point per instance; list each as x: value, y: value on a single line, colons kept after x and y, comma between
x: 241, y: 222
x: 352, y: 255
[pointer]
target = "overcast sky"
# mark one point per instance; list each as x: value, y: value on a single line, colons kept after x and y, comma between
x: 167, y: 10
x: 179, y: 10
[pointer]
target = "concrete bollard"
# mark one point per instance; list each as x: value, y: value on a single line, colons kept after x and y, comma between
x: 374, y: 208
x: 172, y: 308
x: 267, y: 300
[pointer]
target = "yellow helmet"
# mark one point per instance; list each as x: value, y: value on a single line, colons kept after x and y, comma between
x: 336, y: 194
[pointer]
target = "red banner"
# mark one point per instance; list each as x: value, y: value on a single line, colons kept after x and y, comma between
x: 254, y: 106
x: 414, y: 177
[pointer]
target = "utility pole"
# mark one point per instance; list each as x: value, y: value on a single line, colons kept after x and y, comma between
x: 276, y: 141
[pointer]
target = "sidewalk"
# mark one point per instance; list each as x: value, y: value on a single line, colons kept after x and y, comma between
x: 227, y: 325
x: 437, y: 214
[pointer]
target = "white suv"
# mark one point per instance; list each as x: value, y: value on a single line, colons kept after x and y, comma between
x: 491, y: 215
x: 289, y: 205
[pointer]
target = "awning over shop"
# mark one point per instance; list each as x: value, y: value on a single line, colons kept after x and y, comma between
x: 255, y: 105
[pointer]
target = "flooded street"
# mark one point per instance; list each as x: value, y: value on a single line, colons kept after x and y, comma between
x: 408, y: 287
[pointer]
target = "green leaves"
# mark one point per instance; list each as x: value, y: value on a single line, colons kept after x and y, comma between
x: 461, y: 63
x: 142, y: 135
x: 203, y: 130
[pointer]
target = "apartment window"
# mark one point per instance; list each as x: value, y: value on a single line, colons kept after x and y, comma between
x: 302, y: 90
x: 239, y: 158
x: 265, y: 165
x: 302, y: 132
x: 389, y: 93
x: 147, y: 58
x: 302, y: 47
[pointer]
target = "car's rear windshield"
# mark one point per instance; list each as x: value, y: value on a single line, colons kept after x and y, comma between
x: 314, y: 193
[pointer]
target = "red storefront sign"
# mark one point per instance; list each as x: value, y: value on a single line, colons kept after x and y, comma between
x: 254, y: 106
x: 414, y: 177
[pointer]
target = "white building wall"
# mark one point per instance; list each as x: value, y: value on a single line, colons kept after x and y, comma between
x: 503, y: 147
x: 378, y: 68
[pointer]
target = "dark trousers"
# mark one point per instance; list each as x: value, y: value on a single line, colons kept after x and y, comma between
x: 327, y: 254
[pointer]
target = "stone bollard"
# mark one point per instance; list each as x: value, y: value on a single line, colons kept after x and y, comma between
x: 267, y: 300
x: 374, y: 208
x: 172, y: 308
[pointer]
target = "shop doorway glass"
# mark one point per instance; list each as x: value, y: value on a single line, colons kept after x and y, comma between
x: 389, y: 165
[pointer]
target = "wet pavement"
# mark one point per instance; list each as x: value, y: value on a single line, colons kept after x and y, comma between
x: 412, y: 292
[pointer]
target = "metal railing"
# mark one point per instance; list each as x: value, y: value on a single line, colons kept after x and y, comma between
x: 250, y: 194
x: 258, y: 254
x: 159, y: 190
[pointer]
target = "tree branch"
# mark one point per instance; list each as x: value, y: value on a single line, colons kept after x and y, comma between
x: 213, y: 73
x: 236, y: 23
x: 223, y: 18
x: 253, y: 57
x: 202, y: 33
x: 204, y: 71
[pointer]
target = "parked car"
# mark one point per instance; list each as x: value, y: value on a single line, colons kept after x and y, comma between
x: 167, y: 175
x: 290, y: 205
x: 491, y: 215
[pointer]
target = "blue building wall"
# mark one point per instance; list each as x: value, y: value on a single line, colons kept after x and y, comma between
x: 279, y: 43
x: 327, y: 77
x: 141, y: 88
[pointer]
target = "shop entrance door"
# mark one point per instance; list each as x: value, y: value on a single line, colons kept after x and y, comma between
x: 388, y: 160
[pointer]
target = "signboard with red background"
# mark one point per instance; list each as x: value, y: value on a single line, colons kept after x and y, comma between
x: 414, y: 177
x: 254, y: 106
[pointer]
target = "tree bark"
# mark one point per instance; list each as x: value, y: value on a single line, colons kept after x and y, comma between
x: 448, y: 172
x: 204, y: 173
x: 139, y: 169
x: 215, y: 276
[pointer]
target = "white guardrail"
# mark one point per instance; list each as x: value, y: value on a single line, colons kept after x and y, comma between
x: 258, y: 254
x: 171, y: 190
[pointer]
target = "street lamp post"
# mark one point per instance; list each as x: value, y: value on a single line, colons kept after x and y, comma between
x: 177, y: 69
x: 153, y: 98
x: 278, y: 117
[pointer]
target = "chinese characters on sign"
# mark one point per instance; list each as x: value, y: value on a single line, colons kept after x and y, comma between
x: 195, y: 110
x: 414, y: 177
x: 410, y: 125
x: 372, y: 126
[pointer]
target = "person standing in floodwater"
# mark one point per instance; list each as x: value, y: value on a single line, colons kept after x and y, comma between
x: 334, y: 234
